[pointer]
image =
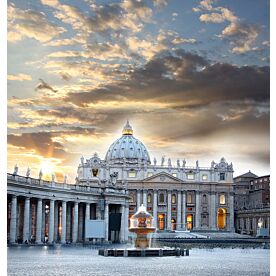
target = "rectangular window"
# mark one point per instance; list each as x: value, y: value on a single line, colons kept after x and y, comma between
x: 189, y: 198
x: 204, y: 177
x: 174, y: 174
x: 190, y: 176
x: 222, y: 199
x: 222, y: 176
x: 131, y: 174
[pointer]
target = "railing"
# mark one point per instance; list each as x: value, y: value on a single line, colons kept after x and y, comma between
x: 41, y: 182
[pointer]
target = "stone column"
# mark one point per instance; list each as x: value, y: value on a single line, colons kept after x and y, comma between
x: 155, y: 218
x: 178, y: 221
x: 169, y: 211
x: 13, y: 224
x: 106, y: 218
x: 80, y: 223
x: 43, y: 222
x: 51, y: 221
x: 248, y: 225
x: 38, y: 221
x: 145, y: 198
x: 63, y: 222
x: 213, y: 211
x: 56, y: 222
x: 254, y: 226
x: 26, y: 229
x: 138, y: 199
x: 87, y: 217
x: 75, y: 222
x: 184, y: 210
x: 126, y: 222
x: 68, y: 222
x: 197, y: 210
x: 122, y: 231
x: 231, y: 209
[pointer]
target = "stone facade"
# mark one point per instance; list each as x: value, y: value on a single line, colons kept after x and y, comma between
x: 252, y: 203
x: 179, y: 197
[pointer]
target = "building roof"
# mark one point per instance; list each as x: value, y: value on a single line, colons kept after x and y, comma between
x: 247, y: 175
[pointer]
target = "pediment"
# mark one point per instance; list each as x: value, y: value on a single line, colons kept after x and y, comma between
x: 162, y: 177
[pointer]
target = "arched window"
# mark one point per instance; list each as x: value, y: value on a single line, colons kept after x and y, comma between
x: 173, y: 199
x: 149, y: 199
x: 161, y: 198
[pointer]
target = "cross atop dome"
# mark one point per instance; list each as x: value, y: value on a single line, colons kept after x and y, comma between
x: 127, y: 129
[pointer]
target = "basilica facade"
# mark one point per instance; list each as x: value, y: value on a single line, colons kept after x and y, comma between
x: 179, y: 197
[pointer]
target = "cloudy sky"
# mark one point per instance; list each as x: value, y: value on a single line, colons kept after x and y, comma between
x: 192, y: 77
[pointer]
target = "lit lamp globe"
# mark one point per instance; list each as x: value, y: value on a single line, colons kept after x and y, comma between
x: 141, y: 223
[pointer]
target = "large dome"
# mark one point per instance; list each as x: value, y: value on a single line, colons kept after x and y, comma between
x: 127, y: 149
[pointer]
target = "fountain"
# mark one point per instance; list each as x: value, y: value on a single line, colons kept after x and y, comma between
x: 141, y: 223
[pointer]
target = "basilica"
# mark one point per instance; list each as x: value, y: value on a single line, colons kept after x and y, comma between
x: 110, y: 190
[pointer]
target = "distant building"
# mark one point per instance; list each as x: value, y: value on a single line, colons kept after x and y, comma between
x: 252, y: 203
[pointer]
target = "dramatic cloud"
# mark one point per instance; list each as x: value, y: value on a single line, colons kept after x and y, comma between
x: 242, y: 36
x: 32, y: 24
x: 19, y: 77
x: 190, y: 79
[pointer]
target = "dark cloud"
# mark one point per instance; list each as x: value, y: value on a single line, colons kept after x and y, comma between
x: 44, y: 85
x: 183, y: 78
x: 43, y: 143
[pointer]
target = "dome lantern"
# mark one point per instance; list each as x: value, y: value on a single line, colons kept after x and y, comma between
x: 127, y: 129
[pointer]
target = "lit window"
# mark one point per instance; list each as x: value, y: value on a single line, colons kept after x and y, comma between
x: 161, y: 198
x: 149, y: 198
x: 190, y: 176
x: 131, y: 174
x: 150, y: 174
x: 189, y: 198
x: 222, y: 199
x: 174, y: 174
x: 204, y: 177
x: 222, y: 176
x: 131, y: 198
x: 173, y: 199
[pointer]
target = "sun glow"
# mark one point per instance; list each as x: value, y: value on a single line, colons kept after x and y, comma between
x: 47, y: 167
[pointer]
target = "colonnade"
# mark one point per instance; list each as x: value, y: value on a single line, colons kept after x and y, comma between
x: 55, y: 220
